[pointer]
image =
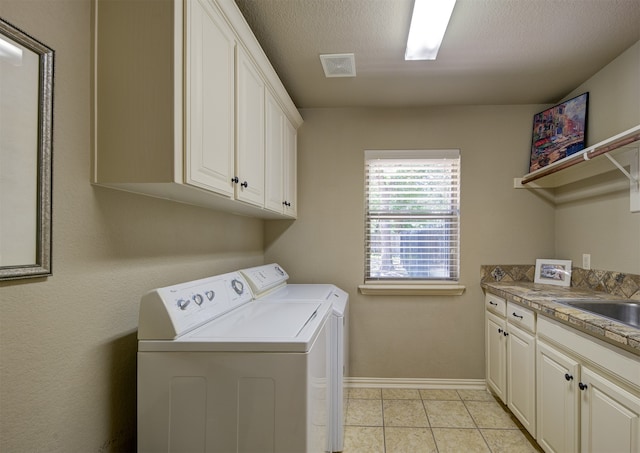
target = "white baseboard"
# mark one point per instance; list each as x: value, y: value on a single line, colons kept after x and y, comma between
x: 459, y: 384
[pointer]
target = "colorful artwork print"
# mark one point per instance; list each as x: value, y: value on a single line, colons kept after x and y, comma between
x: 559, y: 132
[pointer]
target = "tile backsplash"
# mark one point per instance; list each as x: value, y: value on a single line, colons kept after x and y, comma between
x: 617, y: 283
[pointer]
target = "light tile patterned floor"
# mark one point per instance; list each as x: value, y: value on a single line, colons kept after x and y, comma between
x: 431, y: 421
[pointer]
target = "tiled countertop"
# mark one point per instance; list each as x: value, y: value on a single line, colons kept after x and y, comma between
x: 540, y: 298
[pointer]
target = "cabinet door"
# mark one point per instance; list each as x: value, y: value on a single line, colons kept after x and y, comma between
x: 610, y: 416
x: 209, y: 99
x: 274, y: 155
x: 557, y: 400
x: 290, y: 170
x: 250, y: 137
x: 521, y: 376
x: 496, y: 354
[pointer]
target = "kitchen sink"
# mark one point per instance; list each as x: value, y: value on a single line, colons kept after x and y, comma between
x: 624, y: 311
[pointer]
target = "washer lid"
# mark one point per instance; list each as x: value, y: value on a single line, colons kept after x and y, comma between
x: 259, y: 326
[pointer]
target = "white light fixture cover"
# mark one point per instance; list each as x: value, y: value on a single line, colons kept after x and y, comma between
x: 428, y: 24
x: 338, y: 65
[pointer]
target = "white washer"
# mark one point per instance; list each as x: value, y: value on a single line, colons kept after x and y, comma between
x: 220, y: 372
x: 269, y: 283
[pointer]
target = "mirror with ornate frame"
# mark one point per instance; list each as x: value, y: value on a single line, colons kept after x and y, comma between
x: 26, y: 127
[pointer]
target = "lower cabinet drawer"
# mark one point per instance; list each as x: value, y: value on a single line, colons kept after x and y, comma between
x: 521, y: 317
x: 495, y: 304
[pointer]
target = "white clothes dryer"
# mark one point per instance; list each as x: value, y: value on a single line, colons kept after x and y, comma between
x: 269, y: 283
x: 220, y: 372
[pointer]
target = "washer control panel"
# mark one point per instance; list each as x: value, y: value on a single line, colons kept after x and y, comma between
x: 166, y: 313
x: 263, y: 279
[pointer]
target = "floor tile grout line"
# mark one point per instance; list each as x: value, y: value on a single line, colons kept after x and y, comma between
x: 461, y: 398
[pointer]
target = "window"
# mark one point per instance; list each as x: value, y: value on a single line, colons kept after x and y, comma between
x: 412, y: 215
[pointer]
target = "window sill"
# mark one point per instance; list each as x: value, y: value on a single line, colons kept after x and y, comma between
x: 411, y: 289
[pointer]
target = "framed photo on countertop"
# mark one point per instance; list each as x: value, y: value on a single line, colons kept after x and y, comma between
x: 553, y: 272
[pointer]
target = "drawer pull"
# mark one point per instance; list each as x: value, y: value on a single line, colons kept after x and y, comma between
x: 568, y: 377
x: 517, y: 316
x: 493, y: 303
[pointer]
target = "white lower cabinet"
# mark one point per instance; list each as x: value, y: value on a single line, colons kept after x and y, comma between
x: 588, y: 393
x: 521, y: 376
x: 557, y: 377
x: 610, y: 415
x: 571, y: 391
x: 496, y: 355
x: 510, y: 358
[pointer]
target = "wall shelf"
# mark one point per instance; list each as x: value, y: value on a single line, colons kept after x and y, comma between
x: 620, y: 151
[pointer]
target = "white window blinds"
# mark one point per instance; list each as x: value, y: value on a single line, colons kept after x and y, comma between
x: 412, y: 215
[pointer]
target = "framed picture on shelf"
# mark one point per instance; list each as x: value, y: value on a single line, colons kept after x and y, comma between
x: 553, y: 272
x: 558, y: 132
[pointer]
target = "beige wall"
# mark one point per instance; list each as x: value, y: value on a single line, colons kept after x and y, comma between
x: 603, y: 226
x: 68, y: 342
x: 410, y: 336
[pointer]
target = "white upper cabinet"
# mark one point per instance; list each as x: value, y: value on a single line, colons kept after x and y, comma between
x: 274, y: 140
x: 250, y: 158
x: 290, y: 170
x: 179, y: 105
x: 210, y: 59
x: 281, y: 155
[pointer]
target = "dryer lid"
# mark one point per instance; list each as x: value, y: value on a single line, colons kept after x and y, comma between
x: 261, y: 321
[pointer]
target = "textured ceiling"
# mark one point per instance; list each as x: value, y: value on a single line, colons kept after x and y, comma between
x: 494, y: 52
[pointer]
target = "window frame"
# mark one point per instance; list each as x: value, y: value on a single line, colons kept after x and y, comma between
x: 411, y: 286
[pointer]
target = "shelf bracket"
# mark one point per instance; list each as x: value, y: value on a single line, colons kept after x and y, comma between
x: 633, y: 179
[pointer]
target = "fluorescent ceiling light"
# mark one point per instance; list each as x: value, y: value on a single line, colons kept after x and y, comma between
x: 428, y: 24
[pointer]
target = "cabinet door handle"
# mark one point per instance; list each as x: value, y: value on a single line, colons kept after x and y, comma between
x: 504, y: 332
x: 582, y: 386
x: 500, y: 330
x: 568, y: 377
x: 235, y: 180
x: 517, y: 315
x: 244, y: 184
x: 493, y: 303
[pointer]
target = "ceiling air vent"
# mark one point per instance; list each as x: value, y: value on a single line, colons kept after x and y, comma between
x: 339, y: 65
